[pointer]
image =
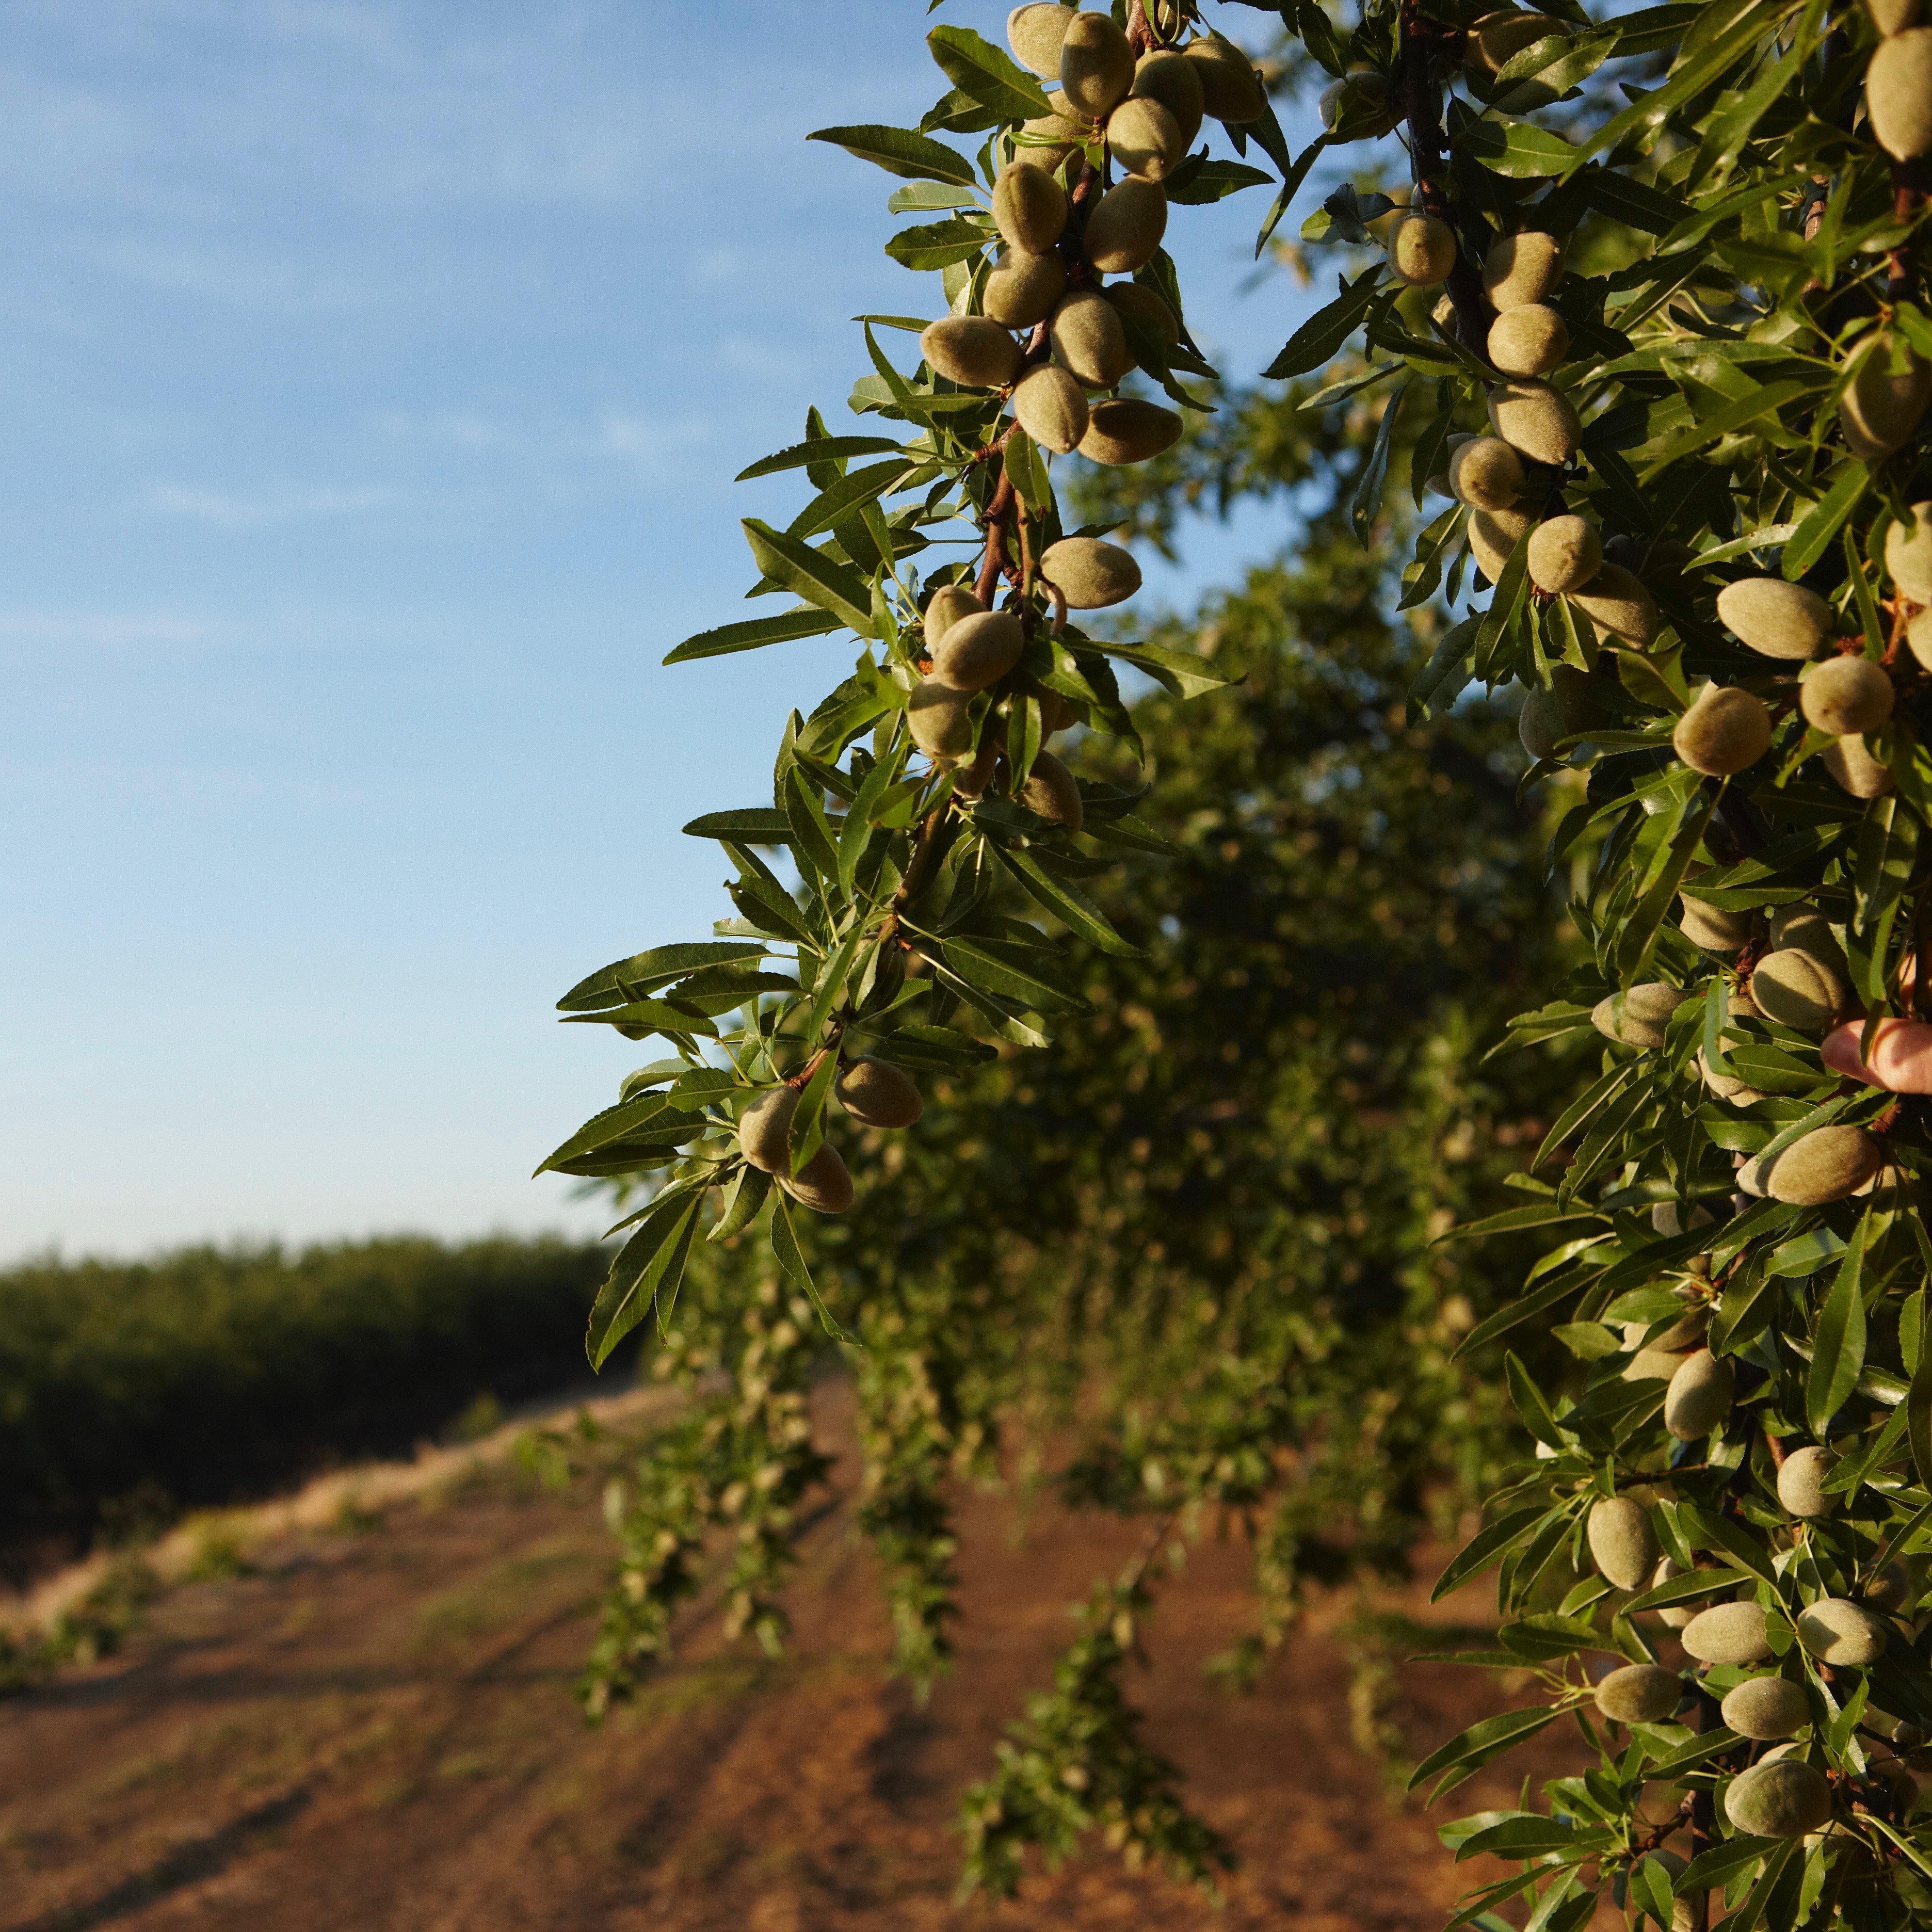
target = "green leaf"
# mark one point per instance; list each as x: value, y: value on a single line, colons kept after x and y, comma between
x: 810, y: 574
x: 616, y: 1123
x: 1185, y: 674
x: 1291, y: 187
x: 1518, y: 150
x: 1918, y: 1405
x: 1322, y: 335
x: 822, y: 449
x: 1214, y: 181
x: 637, y: 1017
x: 791, y: 1257
x: 1030, y: 974
x: 1770, y: 400
x: 1681, y: 1589
x: 1653, y: 30
x: 937, y: 244
x: 1442, y: 680
x: 648, y: 1268
x: 806, y: 1134
x: 1476, y: 1556
x: 1308, y: 23
x: 742, y: 1200
x: 1540, y: 1214
x: 1719, y: 1533
x: 1512, y: 593
x: 754, y: 825
x: 1706, y: 1743
x: 1351, y: 386
x: 836, y: 502
x: 643, y: 972
x: 1650, y: 1890
x: 1531, y: 1404
x: 899, y: 152
x: 857, y: 832
x: 1714, y: 1867
x: 957, y: 112
x: 1853, y: 1470
x: 1067, y: 903
x: 976, y: 67
x: 1746, y: 1917
x: 1529, y: 1838
x: 1887, y: 849
x: 1367, y: 500
x: 1633, y: 202
x: 1475, y: 1746
x: 753, y: 634
x: 1555, y: 1289
x: 1542, y: 73
x: 830, y: 989
x: 934, y: 1049
x: 1749, y: 28
x: 814, y: 839
x: 1813, y: 535
x: 1727, y: 132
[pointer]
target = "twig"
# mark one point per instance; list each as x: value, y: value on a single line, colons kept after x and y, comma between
x: 929, y: 843
x: 997, y: 447
x: 1416, y: 87
x: 995, y: 522
x: 1149, y: 1548
x: 802, y: 1077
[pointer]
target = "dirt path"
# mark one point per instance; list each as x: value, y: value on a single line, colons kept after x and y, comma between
x: 375, y: 1731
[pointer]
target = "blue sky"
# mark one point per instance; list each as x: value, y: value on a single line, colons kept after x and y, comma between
x: 372, y: 376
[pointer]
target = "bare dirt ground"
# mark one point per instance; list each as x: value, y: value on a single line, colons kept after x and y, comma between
x: 375, y: 1731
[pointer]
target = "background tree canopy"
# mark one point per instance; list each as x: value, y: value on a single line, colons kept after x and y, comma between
x: 1179, y: 1263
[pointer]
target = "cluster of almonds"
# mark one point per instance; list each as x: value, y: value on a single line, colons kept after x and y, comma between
x: 1842, y: 693
x: 1799, y: 978
x: 1533, y: 434
x: 1048, y: 284
x: 1147, y: 112
x: 873, y: 1092
x: 1781, y: 1795
x: 1049, y: 275
x: 1799, y: 981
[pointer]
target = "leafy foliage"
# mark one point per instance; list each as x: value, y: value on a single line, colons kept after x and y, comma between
x: 1752, y: 247
x: 203, y: 1374
x: 1179, y: 1260
x: 1721, y: 415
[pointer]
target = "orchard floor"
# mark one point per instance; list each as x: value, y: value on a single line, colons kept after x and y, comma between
x: 375, y: 1730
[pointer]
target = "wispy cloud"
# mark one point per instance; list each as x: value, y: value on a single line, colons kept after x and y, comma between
x: 651, y: 444
x: 112, y: 629
x: 282, y: 503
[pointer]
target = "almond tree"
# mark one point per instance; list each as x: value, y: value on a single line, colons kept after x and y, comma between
x: 1691, y: 486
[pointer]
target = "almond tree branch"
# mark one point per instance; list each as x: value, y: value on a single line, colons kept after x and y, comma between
x: 1421, y: 41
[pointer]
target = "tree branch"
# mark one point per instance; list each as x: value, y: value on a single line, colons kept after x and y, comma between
x: 995, y: 522
x: 1416, y: 88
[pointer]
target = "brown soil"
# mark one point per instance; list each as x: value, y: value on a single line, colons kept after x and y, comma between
x: 376, y: 1731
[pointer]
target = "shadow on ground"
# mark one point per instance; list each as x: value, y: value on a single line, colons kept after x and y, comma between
x: 376, y: 1731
